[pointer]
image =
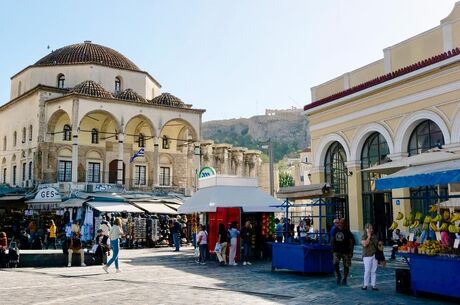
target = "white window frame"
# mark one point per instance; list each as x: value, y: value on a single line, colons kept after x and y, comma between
x: 58, y: 162
x: 146, y: 178
x: 170, y: 176
x: 101, y: 169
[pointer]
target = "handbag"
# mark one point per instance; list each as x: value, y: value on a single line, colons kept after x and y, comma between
x: 217, y: 248
x: 197, y: 252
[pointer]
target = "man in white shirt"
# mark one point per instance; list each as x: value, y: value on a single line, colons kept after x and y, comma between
x: 105, y: 226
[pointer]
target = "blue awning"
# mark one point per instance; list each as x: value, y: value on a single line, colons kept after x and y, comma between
x: 421, y: 175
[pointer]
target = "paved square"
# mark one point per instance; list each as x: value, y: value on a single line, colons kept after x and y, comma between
x: 159, y: 276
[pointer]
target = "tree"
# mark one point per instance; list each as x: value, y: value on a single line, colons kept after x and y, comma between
x: 286, y: 179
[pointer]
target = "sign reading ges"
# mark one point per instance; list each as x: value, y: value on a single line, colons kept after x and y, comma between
x: 206, y: 172
x: 48, y: 193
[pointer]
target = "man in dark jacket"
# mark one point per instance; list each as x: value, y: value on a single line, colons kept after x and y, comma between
x: 176, y: 229
x: 342, y: 248
x: 246, y: 239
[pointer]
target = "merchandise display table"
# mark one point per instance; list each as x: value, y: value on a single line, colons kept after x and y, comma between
x: 437, y: 274
x: 307, y: 258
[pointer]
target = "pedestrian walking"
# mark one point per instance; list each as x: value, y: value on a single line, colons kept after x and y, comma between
x: 233, y: 232
x: 370, y: 243
x: 342, y: 250
x: 116, y: 232
x: 246, y: 239
x: 176, y: 230
x: 105, y: 226
x: 278, y: 230
x: 52, y: 235
x: 222, y: 239
x: 202, y: 240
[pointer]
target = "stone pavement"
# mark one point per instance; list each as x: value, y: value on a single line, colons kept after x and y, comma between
x: 160, y: 276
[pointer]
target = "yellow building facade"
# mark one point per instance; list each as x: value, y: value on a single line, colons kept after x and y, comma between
x: 401, y: 105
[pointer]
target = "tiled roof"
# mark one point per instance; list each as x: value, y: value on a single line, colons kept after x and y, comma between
x: 88, y: 87
x: 384, y: 78
x: 87, y: 53
x: 168, y: 99
x: 131, y: 95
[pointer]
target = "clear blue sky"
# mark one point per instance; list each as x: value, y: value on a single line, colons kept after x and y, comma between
x: 232, y: 58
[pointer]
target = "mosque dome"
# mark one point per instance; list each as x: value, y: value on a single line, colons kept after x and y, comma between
x: 91, y: 88
x: 168, y: 99
x: 131, y: 95
x: 87, y: 53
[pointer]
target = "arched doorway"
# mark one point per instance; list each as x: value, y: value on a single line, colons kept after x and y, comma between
x: 113, y: 172
x: 426, y: 135
x: 335, y: 172
x: 377, y: 207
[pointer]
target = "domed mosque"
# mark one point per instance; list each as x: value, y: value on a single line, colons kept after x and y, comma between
x: 86, y: 114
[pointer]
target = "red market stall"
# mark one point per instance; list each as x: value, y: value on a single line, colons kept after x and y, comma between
x: 225, y: 199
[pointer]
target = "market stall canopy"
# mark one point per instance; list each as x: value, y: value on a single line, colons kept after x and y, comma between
x: 305, y: 191
x: 421, y: 175
x: 249, y: 198
x: 15, y: 202
x: 114, y: 206
x: 451, y: 203
x: 155, y: 206
x: 420, y: 159
x: 73, y: 203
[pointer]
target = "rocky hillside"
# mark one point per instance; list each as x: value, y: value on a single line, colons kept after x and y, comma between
x: 288, y: 130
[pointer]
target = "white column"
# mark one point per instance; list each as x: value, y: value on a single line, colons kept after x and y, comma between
x: 447, y: 36
x: 121, y: 137
x: 75, y: 141
x: 156, y: 162
x: 387, y: 60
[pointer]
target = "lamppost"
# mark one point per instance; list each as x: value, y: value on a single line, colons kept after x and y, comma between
x: 268, y: 146
x: 197, y: 152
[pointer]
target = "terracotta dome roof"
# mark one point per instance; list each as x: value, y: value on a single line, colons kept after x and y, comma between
x: 131, y: 95
x: 168, y: 99
x: 88, y: 87
x: 87, y: 53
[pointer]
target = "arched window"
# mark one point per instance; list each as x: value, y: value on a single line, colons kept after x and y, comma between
x: 30, y: 133
x: 67, y: 133
x: 165, y: 143
x: 24, y: 132
x: 19, y: 88
x: 4, y: 143
x: 30, y: 170
x: 117, y: 84
x: 141, y: 140
x: 60, y: 81
x: 94, y: 136
x: 335, y: 172
x: 377, y: 207
x: 424, y: 137
x: 15, y: 139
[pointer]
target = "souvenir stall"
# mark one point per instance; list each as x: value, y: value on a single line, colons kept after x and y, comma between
x: 312, y: 257
x: 12, y: 214
x: 433, y: 256
x: 227, y: 199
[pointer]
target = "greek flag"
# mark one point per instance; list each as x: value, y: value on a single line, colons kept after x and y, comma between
x: 139, y: 153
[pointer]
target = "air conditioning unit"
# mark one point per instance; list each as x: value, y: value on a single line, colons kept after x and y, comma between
x: 90, y: 188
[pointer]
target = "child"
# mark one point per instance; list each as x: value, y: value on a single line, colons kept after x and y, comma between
x: 379, y: 256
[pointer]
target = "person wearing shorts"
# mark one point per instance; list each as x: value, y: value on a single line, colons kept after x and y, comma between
x: 342, y: 249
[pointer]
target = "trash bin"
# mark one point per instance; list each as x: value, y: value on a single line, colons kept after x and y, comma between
x: 403, y: 281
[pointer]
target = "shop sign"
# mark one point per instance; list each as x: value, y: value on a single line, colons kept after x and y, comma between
x: 206, y: 172
x: 47, y: 194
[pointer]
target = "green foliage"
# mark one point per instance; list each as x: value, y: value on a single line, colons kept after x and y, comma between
x: 286, y: 179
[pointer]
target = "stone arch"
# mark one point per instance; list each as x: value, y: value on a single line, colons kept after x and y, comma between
x: 456, y: 127
x: 65, y: 152
x: 363, y: 133
x: 94, y: 155
x: 408, y: 124
x: 324, y: 144
x: 137, y: 124
x: 58, y: 118
x: 187, y: 125
x: 104, y: 124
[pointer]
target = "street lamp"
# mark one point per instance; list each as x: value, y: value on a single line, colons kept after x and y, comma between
x: 268, y: 146
x: 197, y: 152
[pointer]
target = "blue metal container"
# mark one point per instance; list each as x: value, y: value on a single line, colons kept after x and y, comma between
x: 309, y: 258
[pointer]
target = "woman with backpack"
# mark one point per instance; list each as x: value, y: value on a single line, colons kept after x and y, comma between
x: 202, y: 240
x: 116, y: 232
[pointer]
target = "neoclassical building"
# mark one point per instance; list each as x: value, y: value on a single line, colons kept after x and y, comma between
x: 399, y: 106
x: 78, y: 116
